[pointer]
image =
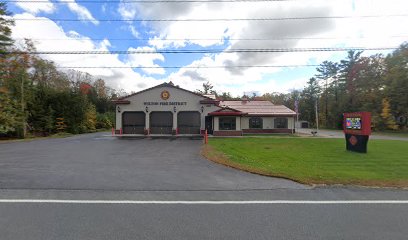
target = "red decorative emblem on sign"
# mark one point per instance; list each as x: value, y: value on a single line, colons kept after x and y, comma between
x: 353, y: 140
x: 165, y: 95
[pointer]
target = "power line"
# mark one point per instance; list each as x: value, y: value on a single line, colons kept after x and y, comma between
x: 208, y: 19
x: 190, y: 67
x: 144, y: 1
x: 209, y: 39
x: 203, y: 51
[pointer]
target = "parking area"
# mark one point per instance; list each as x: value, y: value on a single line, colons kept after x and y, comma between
x: 99, y: 162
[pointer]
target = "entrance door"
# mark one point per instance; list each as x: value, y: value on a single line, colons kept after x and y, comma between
x: 161, y: 123
x: 133, y: 122
x: 189, y: 122
x: 209, y: 124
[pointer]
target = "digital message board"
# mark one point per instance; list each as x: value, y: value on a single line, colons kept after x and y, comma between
x: 353, y: 123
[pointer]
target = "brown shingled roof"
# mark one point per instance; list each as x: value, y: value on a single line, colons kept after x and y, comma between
x: 258, y: 107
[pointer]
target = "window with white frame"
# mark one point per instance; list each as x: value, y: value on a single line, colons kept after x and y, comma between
x: 227, y: 123
x: 281, y: 123
x: 255, y: 122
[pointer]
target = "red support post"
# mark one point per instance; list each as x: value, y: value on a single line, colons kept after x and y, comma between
x: 205, y: 137
x: 121, y: 131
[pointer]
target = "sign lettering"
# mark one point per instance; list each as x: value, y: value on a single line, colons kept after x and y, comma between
x: 165, y: 103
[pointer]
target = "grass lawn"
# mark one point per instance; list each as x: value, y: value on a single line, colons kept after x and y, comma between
x: 315, y: 160
x: 275, y: 135
x: 392, y: 133
x: 399, y: 133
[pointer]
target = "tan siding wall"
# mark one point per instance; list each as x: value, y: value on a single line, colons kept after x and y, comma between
x: 244, y: 122
x: 238, y: 123
x: 268, y: 122
x: 216, y: 125
x: 291, y: 123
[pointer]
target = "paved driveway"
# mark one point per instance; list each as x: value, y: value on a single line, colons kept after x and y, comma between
x: 99, y: 162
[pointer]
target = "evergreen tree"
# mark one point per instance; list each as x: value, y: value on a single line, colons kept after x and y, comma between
x: 328, y: 74
x: 9, y: 113
x: 5, y: 30
x: 309, y: 98
x: 349, y: 73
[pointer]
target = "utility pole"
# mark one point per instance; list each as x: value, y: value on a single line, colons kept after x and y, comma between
x: 317, y: 116
x: 326, y: 113
x: 297, y: 113
x: 22, y: 106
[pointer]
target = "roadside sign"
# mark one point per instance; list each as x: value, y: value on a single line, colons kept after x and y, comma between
x: 357, y: 129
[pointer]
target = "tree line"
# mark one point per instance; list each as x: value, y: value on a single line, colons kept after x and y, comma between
x: 36, y: 98
x: 377, y: 84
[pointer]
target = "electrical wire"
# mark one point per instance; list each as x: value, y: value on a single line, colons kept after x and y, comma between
x: 191, y: 67
x: 208, y: 19
x: 202, y: 51
x: 145, y: 1
x: 209, y: 39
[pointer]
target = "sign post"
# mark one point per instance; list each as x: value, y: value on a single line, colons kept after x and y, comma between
x: 357, y: 129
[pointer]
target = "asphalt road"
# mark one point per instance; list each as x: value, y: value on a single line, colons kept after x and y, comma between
x: 266, y: 221
x: 75, y: 188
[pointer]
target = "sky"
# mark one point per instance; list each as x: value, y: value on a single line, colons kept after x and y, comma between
x: 43, y: 22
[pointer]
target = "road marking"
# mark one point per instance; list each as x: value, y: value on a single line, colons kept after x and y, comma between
x: 203, y: 202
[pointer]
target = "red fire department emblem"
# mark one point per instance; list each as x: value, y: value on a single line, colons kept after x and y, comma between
x: 165, y: 95
x: 353, y: 140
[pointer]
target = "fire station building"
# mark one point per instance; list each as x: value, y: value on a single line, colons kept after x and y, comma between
x: 170, y: 110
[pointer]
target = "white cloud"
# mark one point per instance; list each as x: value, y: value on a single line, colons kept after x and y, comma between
x: 353, y: 32
x: 146, y: 60
x: 127, y: 11
x: 103, y: 8
x: 81, y: 11
x: 35, y: 7
x: 134, y: 32
x: 124, y: 78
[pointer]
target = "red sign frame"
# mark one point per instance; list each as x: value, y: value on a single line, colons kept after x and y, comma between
x: 365, y: 123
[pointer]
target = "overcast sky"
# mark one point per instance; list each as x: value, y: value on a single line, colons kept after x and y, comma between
x: 93, y: 34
